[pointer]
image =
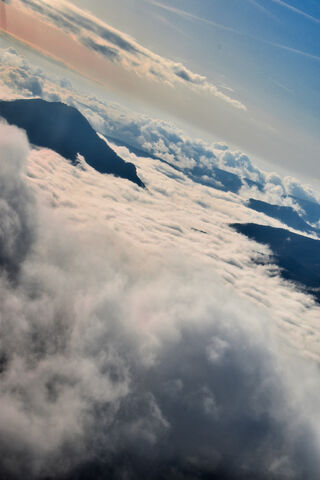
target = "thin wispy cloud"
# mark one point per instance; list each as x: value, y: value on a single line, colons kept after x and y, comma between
x: 297, y: 10
x: 260, y: 7
x: 192, y: 17
x: 296, y: 51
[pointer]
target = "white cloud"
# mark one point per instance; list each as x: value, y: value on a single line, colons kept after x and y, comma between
x: 117, y: 322
x: 196, y: 158
x: 296, y: 10
x: 128, y: 307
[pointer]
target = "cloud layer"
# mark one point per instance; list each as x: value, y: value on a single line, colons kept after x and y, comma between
x: 140, y: 335
x: 119, y: 353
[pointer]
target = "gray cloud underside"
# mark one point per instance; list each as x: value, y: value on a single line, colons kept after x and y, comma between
x: 108, y: 52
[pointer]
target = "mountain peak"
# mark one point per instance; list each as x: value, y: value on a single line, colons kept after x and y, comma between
x: 65, y: 130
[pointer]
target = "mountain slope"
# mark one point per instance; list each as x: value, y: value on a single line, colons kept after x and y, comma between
x: 297, y: 256
x: 286, y: 215
x: 65, y: 130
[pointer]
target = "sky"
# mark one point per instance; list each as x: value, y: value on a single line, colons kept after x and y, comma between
x: 244, y: 72
x: 141, y: 335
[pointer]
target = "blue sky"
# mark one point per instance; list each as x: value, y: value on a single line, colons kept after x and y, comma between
x: 267, y: 51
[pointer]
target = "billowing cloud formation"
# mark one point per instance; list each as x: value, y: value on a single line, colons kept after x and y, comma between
x: 122, y: 49
x: 119, y: 353
x: 16, y: 210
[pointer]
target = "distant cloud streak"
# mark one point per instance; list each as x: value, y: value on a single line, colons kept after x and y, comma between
x: 190, y: 16
x: 296, y: 51
x: 296, y: 10
x: 206, y: 21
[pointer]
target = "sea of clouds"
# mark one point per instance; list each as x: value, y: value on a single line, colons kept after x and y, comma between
x: 20, y: 78
x: 138, y: 337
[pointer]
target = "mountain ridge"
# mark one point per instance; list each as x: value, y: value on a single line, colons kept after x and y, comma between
x: 65, y: 130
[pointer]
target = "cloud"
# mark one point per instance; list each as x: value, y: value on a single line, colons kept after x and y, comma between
x: 16, y: 203
x: 260, y: 7
x: 117, y: 46
x: 108, y: 52
x: 195, y: 157
x: 296, y: 10
x: 192, y: 17
x: 17, y: 74
x: 128, y: 360
x: 296, y: 51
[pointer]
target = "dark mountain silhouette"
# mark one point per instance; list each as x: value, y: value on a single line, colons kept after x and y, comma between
x: 297, y: 256
x: 286, y: 215
x: 65, y: 130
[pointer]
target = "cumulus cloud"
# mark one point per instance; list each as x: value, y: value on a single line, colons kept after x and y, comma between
x: 19, y: 76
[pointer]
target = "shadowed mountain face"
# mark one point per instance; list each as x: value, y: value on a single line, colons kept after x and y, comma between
x: 65, y: 130
x: 286, y: 215
x: 297, y: 256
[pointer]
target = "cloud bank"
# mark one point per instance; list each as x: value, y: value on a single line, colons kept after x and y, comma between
x: 197, y: 158
x: 140, y: 336
x: 127, y: 361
